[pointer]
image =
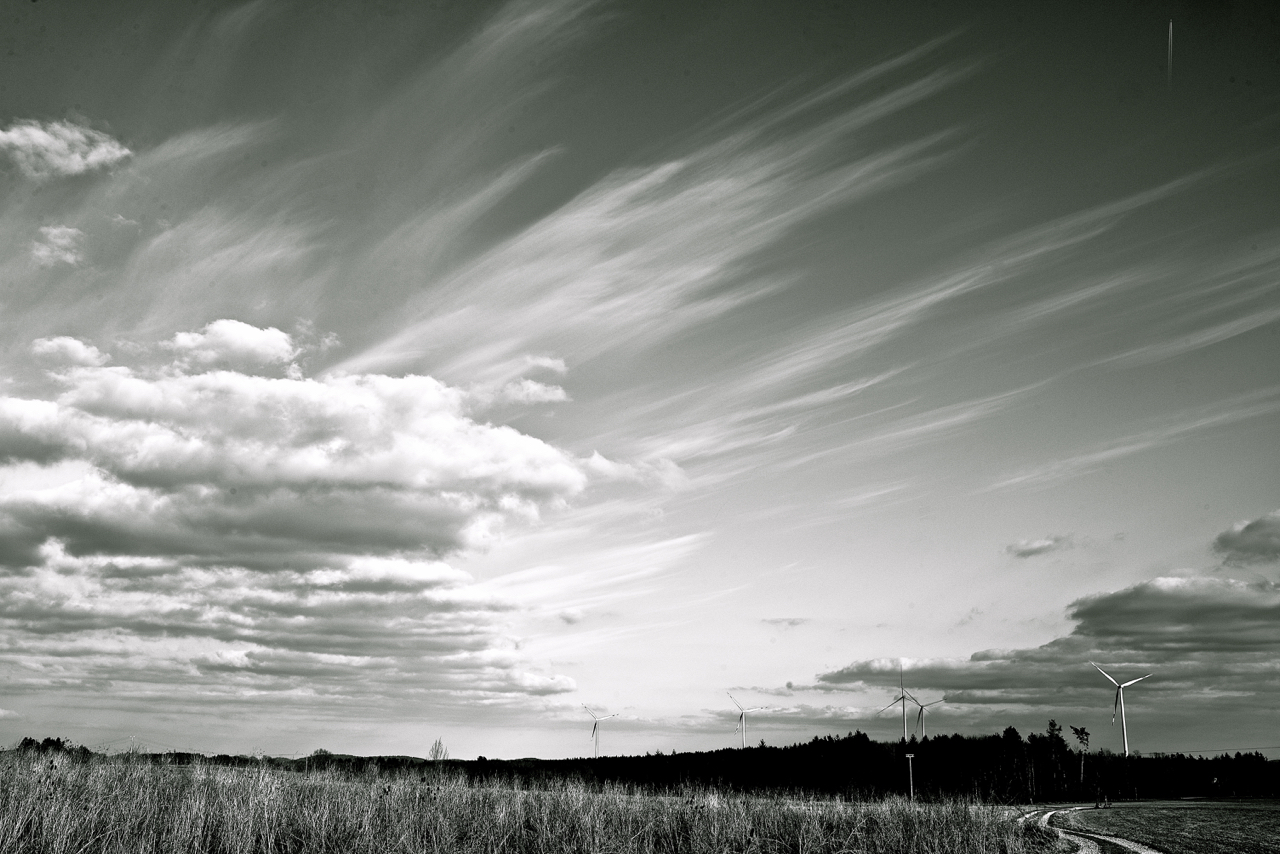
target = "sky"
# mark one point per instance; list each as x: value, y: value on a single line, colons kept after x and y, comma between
x: 379, y: 372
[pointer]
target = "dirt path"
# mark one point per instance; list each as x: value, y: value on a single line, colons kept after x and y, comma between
x: 1088, y: 843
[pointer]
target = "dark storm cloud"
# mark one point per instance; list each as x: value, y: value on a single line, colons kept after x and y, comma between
x: 1188, y: 631
x: 1170, y: 617
x: 1258, y: 540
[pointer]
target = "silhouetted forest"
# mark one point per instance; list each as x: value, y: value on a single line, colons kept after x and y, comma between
x: 1005, y: 768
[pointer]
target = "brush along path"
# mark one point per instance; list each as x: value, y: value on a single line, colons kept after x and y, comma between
x: 91, y: 807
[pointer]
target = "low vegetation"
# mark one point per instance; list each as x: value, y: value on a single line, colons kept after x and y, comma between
x: 1219, y: 828
x: 64, y: 804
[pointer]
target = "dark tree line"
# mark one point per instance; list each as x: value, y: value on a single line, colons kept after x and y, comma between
x: 1006, y: 768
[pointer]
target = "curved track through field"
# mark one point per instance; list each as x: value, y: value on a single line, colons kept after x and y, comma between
x: 1086, y: 842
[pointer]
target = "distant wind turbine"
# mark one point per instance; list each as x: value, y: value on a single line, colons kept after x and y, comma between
x: 903, y: 696
x: 1120, y: 703
x: 742, y: 717
x: 595, y: 727
x: 920, y: 718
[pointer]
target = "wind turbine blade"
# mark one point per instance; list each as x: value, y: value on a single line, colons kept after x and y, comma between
x: 1106, y: 674
x: 1139, y: 679
x: 1116, y: 708
x: 919, y: 717
x: 735, y: 702
x: 614, y: 715
x: 890, y: 706
x: 594, y: 727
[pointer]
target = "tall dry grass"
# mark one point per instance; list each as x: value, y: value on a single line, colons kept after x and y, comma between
x: 135, y: 807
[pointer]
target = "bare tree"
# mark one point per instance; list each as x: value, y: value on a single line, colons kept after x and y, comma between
x: 438, y: 751
x: 1082, y: 736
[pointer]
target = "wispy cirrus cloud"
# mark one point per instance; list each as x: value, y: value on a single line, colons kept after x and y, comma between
x: 646, y: 252
x: 585, y: 583
x: 1231, y: 411
x: 1210, y: 305
x: 1152, y: 353
x: 757, y: 411
x: 43, y: 150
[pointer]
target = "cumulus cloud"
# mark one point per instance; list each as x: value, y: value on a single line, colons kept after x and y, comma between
x: 68, y: 350
x: 274, y: 534
x: 223, y: 462
x: 1258, y: 540
x: 50, y: 149
x: 521, y: 392
x: 1031, y: 548
x: 57, y: 244
x: 236, y: 342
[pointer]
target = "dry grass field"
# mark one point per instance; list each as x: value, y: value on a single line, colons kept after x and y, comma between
x: 1187, y: 827
x: 135, y: 807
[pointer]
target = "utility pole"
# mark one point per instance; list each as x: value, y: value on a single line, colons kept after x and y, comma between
x: 911, y: 776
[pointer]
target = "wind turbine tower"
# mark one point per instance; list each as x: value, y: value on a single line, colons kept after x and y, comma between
x: 595, y: 726
x: 903, y: 696
x: 920, y: 716
x: 742, y: 718
x: 1120, y: 703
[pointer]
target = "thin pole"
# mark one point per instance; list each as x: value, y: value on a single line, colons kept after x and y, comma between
x: 911, y: 776
x: 1169, y: 72
x: 902, y: 695
x: 1124, y: 729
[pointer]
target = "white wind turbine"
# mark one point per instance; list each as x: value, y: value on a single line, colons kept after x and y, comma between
x: 595, y: 727
x: 920, y: 718
x: 1120, y: 703
x: 903, y: 696
x: 742, y: 717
